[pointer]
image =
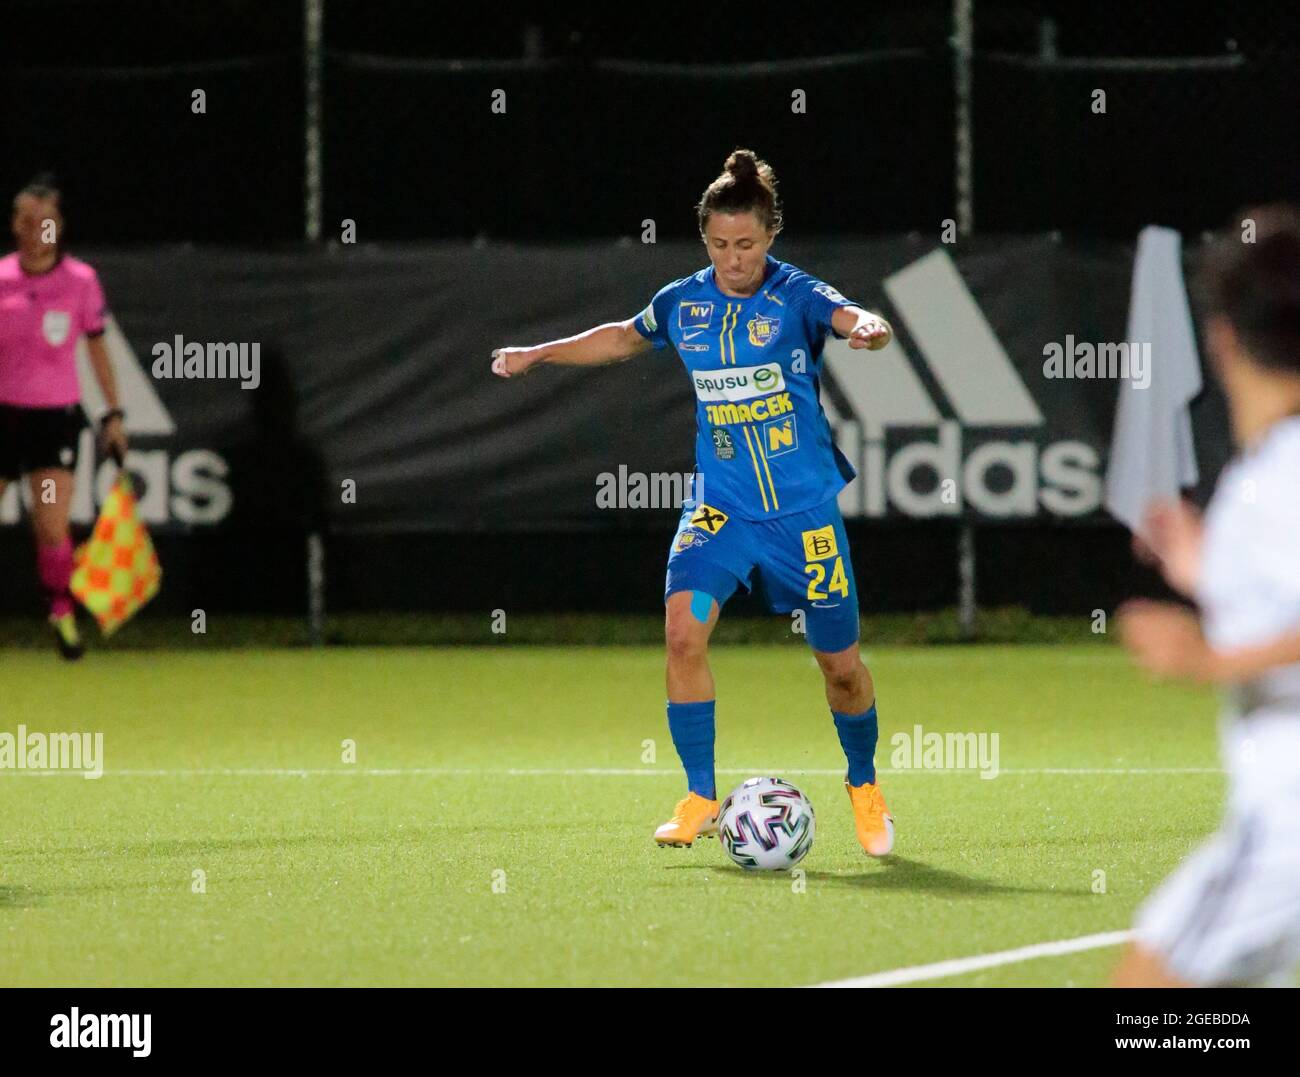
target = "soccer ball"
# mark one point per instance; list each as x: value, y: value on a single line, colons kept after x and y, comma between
x: 766, y: 824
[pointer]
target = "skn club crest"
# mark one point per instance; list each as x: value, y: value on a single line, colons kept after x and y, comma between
x: 687, y: 539
x: 762, y: 329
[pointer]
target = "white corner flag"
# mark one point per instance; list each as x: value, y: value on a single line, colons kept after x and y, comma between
x: 1152, y: 455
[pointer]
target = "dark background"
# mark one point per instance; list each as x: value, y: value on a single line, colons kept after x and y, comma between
x: 615, y: 114
x: 602, y: 96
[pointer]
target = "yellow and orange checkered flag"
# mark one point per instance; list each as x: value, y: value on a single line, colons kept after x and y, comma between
x: 116, y: 570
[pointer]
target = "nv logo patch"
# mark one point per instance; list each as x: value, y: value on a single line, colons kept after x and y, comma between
x: 694, y: 315
x: 708, y: 519
x: 819, y: 544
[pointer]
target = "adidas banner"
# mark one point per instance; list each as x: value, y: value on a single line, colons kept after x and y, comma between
x: 350, y: 386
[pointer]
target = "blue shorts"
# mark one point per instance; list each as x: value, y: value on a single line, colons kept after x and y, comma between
x: 800, y: 562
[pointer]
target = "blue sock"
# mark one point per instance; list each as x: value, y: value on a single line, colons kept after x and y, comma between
x: 691, y: 725
x: 858, y: 734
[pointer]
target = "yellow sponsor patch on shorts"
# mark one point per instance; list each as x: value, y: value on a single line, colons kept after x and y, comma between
x: 708, y: 519
x: 820, y: 544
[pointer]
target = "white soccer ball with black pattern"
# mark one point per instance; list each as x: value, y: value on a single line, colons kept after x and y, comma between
x: 766, y: 824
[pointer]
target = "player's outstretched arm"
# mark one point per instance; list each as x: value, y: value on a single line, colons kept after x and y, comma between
x: 862, y: 328
x: 1170, y: 537
x: 609, y: 343
x: 1166, y: 639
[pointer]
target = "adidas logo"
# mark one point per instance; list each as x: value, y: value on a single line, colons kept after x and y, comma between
x: 956, y: 469
x: 189, y: 488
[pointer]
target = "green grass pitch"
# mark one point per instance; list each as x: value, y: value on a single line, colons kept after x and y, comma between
x: 496, y: 825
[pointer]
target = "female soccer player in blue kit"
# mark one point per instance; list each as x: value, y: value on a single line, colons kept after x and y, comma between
x: 750, y: 331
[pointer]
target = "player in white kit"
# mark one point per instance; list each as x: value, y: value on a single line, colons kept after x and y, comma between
x: 1230, y: 914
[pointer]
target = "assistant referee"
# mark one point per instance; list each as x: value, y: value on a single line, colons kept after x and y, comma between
x: 48, y: 301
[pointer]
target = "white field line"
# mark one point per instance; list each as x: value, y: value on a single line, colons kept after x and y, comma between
x: 564, y: 772
x: 957, y: 966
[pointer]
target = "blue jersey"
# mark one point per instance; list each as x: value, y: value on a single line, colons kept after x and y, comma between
x: 763, y: 446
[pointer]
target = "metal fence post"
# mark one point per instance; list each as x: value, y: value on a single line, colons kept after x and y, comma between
x: 963, y: 40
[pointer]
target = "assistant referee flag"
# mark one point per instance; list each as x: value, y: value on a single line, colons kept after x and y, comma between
x: 116, y: 570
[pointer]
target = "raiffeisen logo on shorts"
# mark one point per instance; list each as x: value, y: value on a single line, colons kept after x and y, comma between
x: 738, y: 383
x: 188, y: 487
x: 951, y: 468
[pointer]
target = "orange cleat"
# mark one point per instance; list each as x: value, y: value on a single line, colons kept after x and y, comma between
x: 871, y: 816
x: 695, y: 816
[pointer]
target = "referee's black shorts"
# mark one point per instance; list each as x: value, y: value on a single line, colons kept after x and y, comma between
x: 32, y: 439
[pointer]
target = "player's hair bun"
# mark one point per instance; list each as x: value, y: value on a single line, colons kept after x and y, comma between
x: 743, y: 165
x: 746, y: 185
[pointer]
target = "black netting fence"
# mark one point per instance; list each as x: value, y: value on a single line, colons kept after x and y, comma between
x: 619, y: 112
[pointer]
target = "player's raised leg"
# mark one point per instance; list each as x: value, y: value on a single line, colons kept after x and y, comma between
x: 688, y: 623
x: 51, y: 510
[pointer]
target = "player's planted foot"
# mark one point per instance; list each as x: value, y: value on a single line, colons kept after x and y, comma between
x: 871, y: 816
x: 67, y: 637
x: 695, y: 816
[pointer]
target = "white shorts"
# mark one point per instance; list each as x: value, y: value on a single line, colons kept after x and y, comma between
x: 1230, y: 914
